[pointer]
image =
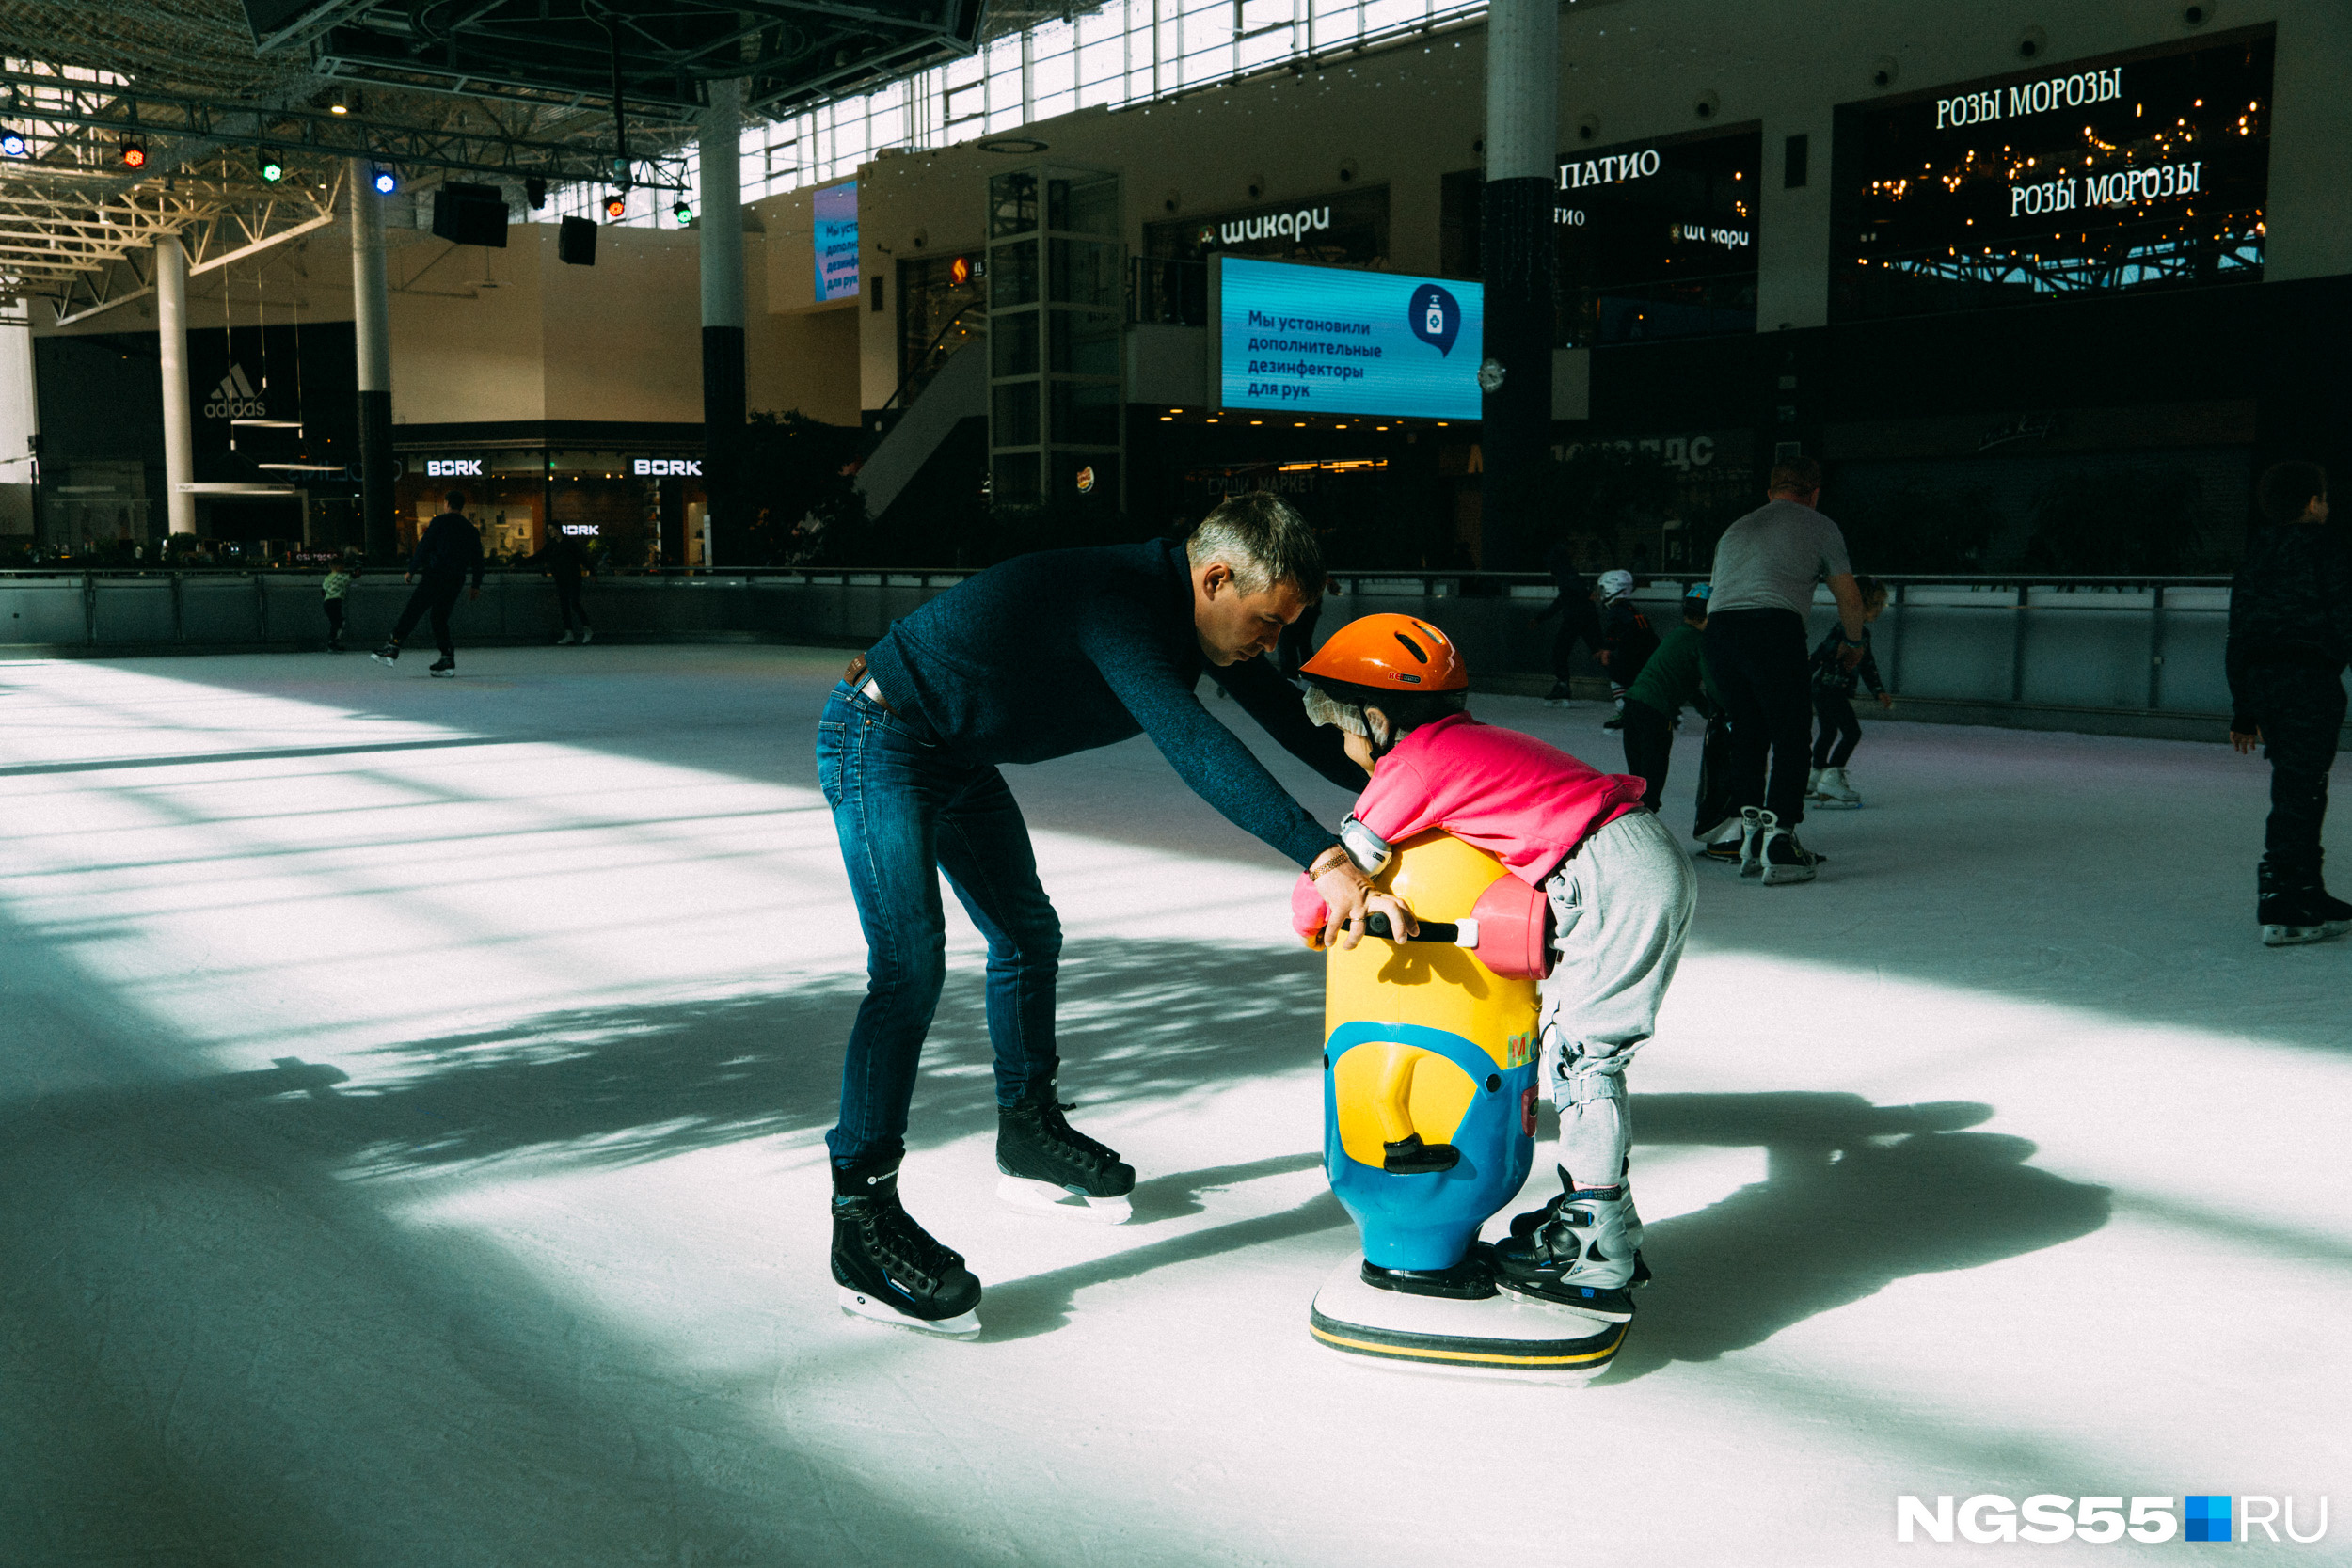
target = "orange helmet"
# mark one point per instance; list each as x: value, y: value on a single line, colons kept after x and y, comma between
x: 1389, y: 653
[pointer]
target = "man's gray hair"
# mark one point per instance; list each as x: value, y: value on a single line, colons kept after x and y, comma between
x: 1262, y: 541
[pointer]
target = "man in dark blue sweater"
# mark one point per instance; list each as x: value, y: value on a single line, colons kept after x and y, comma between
x: 449, y: 548
x: 1039, y: 657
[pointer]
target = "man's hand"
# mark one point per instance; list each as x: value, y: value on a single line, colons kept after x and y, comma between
x: 1849, y: 657
x: 1348, y: 897
x: 2243, y: 743
x: 408, y: 577
x: 1886, y: 698
x: 1600, y: 656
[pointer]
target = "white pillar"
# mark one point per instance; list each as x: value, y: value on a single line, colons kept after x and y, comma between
x: 371, y: 323
x: 721, y: 229
x: 172, y: 319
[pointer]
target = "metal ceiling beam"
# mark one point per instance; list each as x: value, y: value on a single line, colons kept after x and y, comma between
x: 288, y: 129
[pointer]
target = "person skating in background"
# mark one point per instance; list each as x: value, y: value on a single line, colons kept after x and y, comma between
x: 338, y: 584
x: 1621, y: 891
x: 1832, y: 702
x: 1674, y: 678
x: 448, y: 549
x: 1580, y: 618
x: 1766, y: 565
x: 1625, y: 640
x: 2290, y: 634
x: 566, y: 562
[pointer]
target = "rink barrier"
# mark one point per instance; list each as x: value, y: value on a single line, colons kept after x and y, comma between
x: 2115, y: 656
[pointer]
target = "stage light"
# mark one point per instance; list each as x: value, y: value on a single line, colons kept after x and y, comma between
x: 12, y: 144
x: 535, y: 191
x: 683, y: 211
x: 615, y: 206
x: 134, y: 154
x: 272, y: 170
x: 385, y: 181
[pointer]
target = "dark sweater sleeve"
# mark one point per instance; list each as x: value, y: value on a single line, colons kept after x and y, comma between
x: 1869, y: 669
x: 2233, y: 652
x: 1206, y: 756
x: 473, y: 549
x: 1277, y: 706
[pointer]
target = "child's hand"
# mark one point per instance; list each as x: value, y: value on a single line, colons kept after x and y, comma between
x: 2244, y: 743
x: 1886, y: 698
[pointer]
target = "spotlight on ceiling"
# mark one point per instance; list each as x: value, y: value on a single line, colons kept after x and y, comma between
x: 385, y: 181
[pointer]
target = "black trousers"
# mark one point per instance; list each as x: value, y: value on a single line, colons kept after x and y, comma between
x: 1841, y: 731
x: 1577, y: 622
x: 1715, y: 807
x: 2300, y: 709
x: 435, y: 592
x: 1649, y: 746
x: 567, y: 601
x: 1758, y: 661
x: 334, y: 622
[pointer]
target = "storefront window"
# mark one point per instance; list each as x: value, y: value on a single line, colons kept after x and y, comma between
x: 1656, y: 239
x: 2139, y: 171
x: 1339, y: 229
x: 504, y: 496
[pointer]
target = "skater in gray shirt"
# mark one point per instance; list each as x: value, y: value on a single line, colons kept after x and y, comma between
x: 1765, y: 569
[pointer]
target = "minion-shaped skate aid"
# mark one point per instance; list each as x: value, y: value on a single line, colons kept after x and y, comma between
x: 1429, y: 1089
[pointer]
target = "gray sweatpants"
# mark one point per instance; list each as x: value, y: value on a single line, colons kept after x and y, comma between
x: 1621, y: 908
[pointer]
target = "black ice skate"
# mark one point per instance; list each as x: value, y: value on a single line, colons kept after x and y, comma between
x: 2294, y: 908
x: 388, y: 654
x: 889, y: 1268
x: 1780, y: 858
x: 445, y: 667
x: 1049, y: 1168
x: 1582, y: 1257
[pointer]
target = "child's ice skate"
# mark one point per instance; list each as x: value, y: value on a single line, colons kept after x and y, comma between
x: 1051, y: 1169
x: 1535, y: 1219
x: 1832, y: 788
x: 1582, y: 1257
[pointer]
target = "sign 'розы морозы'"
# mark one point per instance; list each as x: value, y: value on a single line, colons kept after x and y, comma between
x: 2148, y: 170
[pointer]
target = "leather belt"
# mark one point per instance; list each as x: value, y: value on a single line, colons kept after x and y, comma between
x: 855, y: 675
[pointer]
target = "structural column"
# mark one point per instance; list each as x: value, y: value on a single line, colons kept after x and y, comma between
x: 722, y: 226
x: 172, y: 319
x: 1521, y: 266
x: 371, y: 325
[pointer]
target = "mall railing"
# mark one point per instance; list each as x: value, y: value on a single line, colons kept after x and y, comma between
x: 2117, y: 654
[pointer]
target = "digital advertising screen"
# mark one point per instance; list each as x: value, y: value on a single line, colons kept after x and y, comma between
x: 2131, y: 172
x: 1336, y: 341
x: 837, y: 242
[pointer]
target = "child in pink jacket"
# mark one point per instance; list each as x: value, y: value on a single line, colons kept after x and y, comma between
x: 1621, y: 893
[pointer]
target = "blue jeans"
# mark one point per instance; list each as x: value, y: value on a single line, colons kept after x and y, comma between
x: 907, y: 810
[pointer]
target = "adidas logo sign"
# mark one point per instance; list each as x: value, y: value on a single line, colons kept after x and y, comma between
x: 235, y: 399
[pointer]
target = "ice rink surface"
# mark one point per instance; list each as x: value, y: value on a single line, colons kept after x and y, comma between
x: 412, y: 1155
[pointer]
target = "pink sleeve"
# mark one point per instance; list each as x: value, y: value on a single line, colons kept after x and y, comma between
x: 1397, y: 802
x: 1307, y: 910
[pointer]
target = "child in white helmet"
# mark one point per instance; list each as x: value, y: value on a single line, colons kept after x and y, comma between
x: 1626, y: 639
